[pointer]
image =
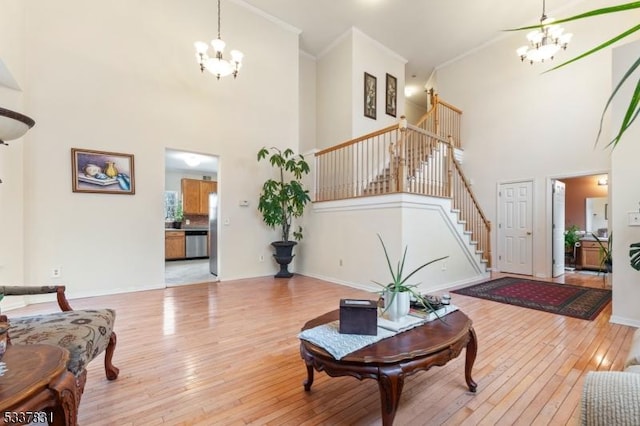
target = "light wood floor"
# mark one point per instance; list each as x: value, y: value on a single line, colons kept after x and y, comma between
x: 227, y: 354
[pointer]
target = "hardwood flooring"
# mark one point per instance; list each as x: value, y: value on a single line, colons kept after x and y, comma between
x: 226, y: 353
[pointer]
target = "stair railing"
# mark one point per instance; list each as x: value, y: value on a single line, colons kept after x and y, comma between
x: 469, y: 211
x: 405, y: 158
x: 348, y: 170
x: 443, y: 119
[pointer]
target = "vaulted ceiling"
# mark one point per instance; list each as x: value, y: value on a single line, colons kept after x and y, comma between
x: 427, y: 33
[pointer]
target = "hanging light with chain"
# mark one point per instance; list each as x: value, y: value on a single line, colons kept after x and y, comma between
x: 544, y: 42
x: 217, y: 65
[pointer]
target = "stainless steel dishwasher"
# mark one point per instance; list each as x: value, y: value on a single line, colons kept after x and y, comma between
x: 196, y: 244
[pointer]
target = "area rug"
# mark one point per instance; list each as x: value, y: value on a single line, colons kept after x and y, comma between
x: 564, y: 299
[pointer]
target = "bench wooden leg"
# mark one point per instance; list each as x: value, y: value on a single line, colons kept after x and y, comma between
x: 110, y: 370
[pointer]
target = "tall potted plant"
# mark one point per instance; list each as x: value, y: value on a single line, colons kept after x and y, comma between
x: 283, y: 199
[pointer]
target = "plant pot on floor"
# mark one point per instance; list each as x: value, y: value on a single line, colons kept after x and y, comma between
x: 284, y: 257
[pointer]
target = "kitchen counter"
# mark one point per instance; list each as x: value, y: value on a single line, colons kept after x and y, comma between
x: 185, y: 229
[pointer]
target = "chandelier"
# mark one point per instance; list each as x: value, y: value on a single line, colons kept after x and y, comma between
x: 217, y: 65
x: 544, y: 42
x: 13, y: 125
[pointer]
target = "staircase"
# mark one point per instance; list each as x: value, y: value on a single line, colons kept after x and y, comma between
x: 417, y: 159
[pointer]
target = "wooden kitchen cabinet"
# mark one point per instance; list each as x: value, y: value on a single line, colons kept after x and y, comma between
x: 195, y: 195
x: 589, y: 256
x: 174, y: 245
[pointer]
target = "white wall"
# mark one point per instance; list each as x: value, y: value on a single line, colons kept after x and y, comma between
x: 414, y: 111
x: 334, y: 90
x: 121, y: 76
x: 344, y: 247
x: 308, y: 96
x: 11, y: 170
x: 374, y: 58
x: 520, y: 124
x: 340, y: 87
x: 624, y: 194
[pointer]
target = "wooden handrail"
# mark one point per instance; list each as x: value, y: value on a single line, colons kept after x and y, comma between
x: 442, y: 118
x: 418, y: 159
x: 451, y: 107
x: 360, y: 139
x: 468, y: 187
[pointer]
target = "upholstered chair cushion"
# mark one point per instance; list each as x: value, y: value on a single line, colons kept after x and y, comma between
x: 85, y: 333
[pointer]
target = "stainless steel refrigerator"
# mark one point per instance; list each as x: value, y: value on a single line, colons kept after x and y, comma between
x: 213, y: 233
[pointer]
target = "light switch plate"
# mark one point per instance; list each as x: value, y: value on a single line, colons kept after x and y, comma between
x: 634, y: 219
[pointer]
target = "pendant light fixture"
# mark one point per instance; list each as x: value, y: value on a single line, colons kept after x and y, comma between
x: 544, y: 42
x: 217, y: 65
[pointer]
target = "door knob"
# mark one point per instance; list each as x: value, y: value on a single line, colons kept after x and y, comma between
x: 528, y: 232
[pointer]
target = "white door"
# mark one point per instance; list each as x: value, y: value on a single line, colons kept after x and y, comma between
x: 515, y: 228
x: 557, y: 227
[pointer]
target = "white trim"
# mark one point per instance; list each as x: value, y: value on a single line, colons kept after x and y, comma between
x: 307, y: 55
x: 615, y: 319
x: 352, y: 30
x: 375, y: 289
x: 268, y: 16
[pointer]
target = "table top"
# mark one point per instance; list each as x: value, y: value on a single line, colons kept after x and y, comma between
x: 30, y: 368
x: 423, y: 340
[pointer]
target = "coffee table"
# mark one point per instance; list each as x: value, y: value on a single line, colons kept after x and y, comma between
x: 37, y: 386
x: 390, y: 360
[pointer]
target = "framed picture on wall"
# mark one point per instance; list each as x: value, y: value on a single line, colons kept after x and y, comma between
x: 102, y: 172
x: 370, y: 96
x: 391, y: 95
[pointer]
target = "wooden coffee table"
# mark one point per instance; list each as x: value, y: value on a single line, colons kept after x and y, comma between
x: 37, y: 386
x: 390, y: 360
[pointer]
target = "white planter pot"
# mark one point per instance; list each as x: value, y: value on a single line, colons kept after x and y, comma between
x: 396, y: 305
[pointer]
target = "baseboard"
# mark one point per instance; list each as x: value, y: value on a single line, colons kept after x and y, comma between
x: 615, y: 319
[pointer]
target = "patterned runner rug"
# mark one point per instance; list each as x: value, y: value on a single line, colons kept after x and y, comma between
x: 564, y: 299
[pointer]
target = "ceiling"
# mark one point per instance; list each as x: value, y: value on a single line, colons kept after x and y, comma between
x: 427, y: 33
x: 176, y: 161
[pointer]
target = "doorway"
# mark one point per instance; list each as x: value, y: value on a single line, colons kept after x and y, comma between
x: 191, y: 233
x: 586, y: 208
x: 515, y: 227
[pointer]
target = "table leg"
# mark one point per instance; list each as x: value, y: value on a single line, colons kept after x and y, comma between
x: 65, y: 411
x: 307, y: 383
x: 472, y: 350
x: 390, y: 383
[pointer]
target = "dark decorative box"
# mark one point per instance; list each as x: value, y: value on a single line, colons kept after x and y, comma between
x: 358, y: 317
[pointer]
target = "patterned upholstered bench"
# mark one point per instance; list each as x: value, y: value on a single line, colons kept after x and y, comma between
x: 84, y: 333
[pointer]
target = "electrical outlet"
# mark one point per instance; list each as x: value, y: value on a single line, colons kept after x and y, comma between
x: 261, y: 258
x: 56, y: 272
x: 444, y: 266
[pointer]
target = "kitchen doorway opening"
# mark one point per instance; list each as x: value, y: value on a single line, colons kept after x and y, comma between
x: 190, y: 217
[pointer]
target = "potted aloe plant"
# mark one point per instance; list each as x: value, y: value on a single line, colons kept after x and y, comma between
x: 283, y: 199
x: 397, y: 294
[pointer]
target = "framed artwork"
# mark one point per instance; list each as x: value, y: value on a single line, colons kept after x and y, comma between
x: 102, y: 172
x: 370, y: 96
x: 391, y: 95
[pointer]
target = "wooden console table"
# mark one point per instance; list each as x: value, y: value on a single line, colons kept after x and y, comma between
x: 37, y: 386
x: 390, y: 360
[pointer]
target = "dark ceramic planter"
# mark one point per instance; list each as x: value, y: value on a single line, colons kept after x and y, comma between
x: 284, y: 256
